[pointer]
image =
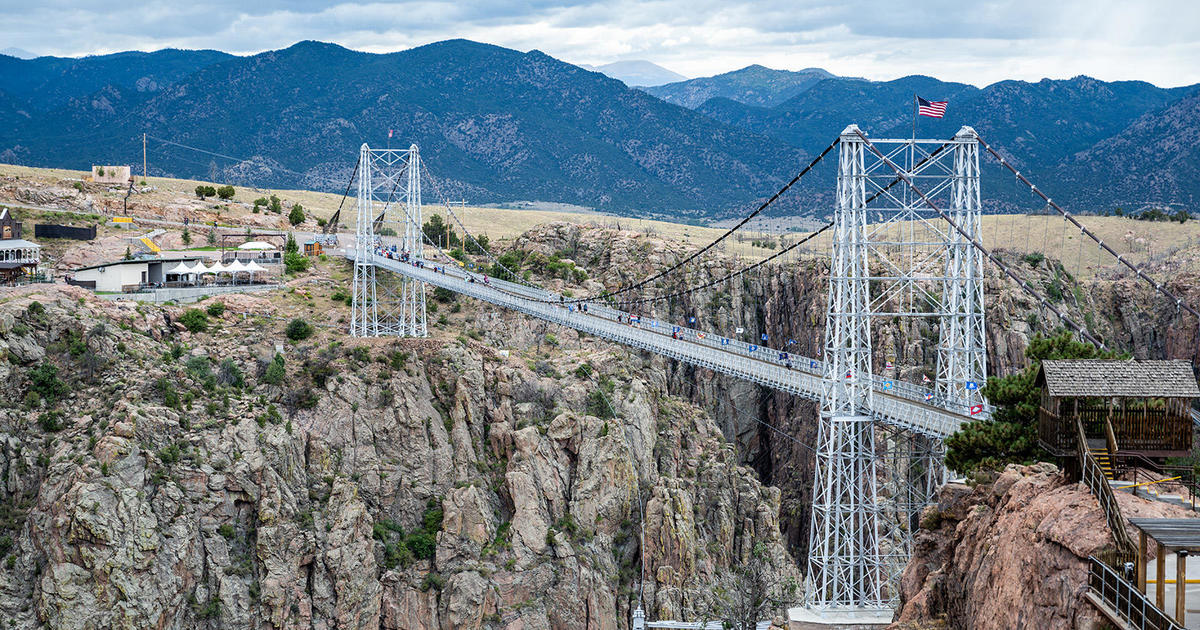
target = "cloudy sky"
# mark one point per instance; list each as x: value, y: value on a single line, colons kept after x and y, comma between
x: 974, y: 42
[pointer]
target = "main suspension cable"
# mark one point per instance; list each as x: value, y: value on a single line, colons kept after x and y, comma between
x: 1179, y: 303
x: 702, y: 250
x: 727, y: 277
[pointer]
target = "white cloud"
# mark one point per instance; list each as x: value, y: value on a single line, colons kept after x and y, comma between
x: 974, y: 42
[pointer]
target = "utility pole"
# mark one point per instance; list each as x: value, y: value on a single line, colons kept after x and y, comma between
x: 144, y: 172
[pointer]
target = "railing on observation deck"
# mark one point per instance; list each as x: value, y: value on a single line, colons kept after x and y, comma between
x: 1135, y: 430
x: 1124, y: 599
x: 896, y: 401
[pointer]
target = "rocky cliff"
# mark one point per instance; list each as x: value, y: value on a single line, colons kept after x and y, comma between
x: 154, y: 477
x: 1011, y: 553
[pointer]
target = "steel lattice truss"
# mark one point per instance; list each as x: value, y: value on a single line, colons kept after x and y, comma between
x: 897, y: 258
x: 389, y: 193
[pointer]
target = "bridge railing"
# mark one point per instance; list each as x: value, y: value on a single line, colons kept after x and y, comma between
x: 900, y: 404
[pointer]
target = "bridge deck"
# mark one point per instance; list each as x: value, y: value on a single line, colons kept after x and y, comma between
x: 896, y: 403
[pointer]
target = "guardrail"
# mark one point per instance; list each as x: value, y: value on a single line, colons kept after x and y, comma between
x: 899, y: 404
x: 1094, y: 479
x: 1125, y: 600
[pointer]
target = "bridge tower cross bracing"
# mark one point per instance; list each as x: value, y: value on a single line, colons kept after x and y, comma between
x: 389, y: 198
x: 962, y: 347
x: 845, y: 567
x: 905, y: 263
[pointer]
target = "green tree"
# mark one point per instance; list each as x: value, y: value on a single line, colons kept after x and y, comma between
x: 1011, y: 435
x: 295, y: 262
x: 290, y: 245
x: 225, y: 192
x: 299, y: 330
x: 200, y: 191
x: 187, y: 237
x: 275, y: 372
x: 479, y: 245
x: 44, y: 380
x: 128, y: 253
x: 296, y: 216
x: 275, y: 205
x: 212, y: 237
x: 438, y: 231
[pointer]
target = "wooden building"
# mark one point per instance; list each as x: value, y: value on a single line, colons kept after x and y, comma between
x: 1132, y: 407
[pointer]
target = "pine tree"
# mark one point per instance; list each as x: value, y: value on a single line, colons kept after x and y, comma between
x: 1011, y: 435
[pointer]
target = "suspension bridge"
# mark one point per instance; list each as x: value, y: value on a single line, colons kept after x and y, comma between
x: 922, y: 257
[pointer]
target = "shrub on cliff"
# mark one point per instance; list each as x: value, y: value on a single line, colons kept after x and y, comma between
x: 299, y: 330
x: 1011, y: 436
x: 194, y: 319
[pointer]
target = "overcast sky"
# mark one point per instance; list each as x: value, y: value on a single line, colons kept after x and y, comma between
x: 959, y: 40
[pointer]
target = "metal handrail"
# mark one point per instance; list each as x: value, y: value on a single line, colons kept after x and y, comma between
x: 1124, y: 599
x: 1137, y: 463
x: 1094, y: 479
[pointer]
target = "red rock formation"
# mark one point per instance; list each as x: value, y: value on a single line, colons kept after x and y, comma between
x: 1011, y: 554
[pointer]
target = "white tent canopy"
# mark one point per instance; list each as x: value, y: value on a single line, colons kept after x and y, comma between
x: 235, y: 266
x: 181, y: 268
x: 255, y: 245
x: 253, y: 267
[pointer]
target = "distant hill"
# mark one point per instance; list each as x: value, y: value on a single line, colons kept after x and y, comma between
x: 755, y: 85
x: 815, y: 116
x: 46, y: 83
x: 498, y: 125
x: 1056, y: 130
x: 637, y: 73
x: 1155, y: 159
x: 493, y: 124
x: 19, y: 53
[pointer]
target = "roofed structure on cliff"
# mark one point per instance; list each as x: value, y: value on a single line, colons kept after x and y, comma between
x: 19, y: 258
x: 1130, y: 406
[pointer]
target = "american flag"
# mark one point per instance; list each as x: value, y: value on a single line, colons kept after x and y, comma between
x: 933, y: 109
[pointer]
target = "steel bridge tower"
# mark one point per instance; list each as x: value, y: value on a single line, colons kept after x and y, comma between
x: 389, y: 216
x: 894, y: 259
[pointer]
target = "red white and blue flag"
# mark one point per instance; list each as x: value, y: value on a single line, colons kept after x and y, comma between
x: 932, y: 109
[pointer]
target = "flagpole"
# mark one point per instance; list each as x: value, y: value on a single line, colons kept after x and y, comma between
x: 912, y: 147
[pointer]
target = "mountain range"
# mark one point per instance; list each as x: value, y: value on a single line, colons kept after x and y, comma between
x: 500, y: 125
